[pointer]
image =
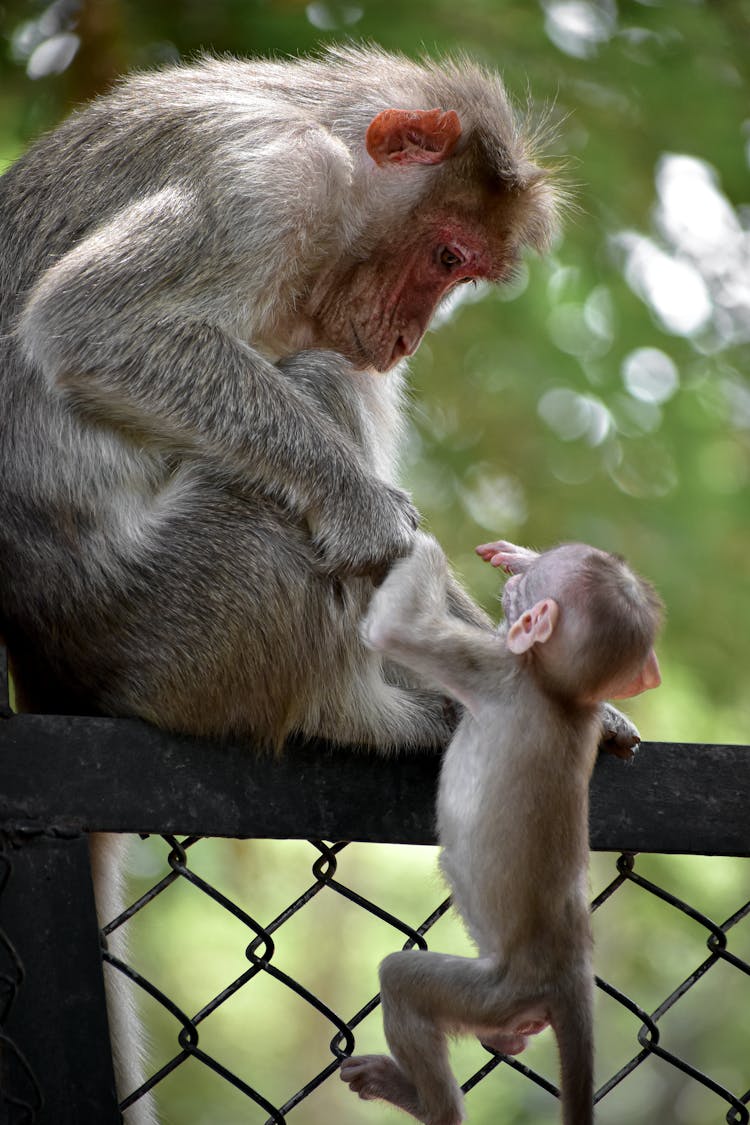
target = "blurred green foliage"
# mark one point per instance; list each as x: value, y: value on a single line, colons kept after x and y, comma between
x: 604, y: 395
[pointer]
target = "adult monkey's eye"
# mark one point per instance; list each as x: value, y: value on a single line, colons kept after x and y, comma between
x: 449, y: 258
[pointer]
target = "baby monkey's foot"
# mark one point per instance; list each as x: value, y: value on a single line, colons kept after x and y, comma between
x: 378, y: 1076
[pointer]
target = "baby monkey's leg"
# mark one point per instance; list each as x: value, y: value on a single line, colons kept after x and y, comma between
x: 417, y: 1076
x: 425, y: 996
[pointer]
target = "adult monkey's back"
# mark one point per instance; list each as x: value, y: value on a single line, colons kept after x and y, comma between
x: 205, y: 277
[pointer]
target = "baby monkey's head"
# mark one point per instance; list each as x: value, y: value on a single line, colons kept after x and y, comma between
x: 583, y: 617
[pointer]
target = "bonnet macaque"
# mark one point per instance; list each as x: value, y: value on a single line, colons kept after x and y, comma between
x: 512, y: 810
x: 208, y: 279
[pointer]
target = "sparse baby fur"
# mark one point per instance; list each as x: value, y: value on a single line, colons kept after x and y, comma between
x: 512, y: 812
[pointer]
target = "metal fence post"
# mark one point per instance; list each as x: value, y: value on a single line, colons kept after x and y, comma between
x: 56, y: 1058
x: 55, y: 1055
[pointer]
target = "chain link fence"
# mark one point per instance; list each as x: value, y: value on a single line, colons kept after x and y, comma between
x: 67, y: 777
x: 644, y: 1039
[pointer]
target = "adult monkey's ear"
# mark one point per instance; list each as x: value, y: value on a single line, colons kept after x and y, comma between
x: 405, y: 136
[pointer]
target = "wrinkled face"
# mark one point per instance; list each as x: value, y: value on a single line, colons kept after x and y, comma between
x: 473, y: 217
x: 376, y: 311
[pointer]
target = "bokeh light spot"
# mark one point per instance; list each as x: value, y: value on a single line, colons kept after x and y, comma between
x: 650, y: 375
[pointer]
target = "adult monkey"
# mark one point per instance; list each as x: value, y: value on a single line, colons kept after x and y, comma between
x: 208, y: 278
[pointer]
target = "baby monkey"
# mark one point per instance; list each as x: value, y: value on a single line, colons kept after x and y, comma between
x: 512, y: 810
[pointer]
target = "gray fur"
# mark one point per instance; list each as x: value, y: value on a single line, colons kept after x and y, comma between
x: 194, y: 504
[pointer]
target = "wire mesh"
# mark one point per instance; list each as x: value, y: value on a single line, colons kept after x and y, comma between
x: 648, y: 1037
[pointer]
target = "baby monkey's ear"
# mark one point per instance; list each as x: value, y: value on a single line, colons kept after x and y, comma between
x: 533, y: 627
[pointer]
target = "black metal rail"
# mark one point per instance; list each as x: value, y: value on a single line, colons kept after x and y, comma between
x: 60, y: 773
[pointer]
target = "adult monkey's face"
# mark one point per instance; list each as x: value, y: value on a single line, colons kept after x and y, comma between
x: 375, y: 304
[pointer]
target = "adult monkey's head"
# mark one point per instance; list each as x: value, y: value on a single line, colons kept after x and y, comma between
x: 444, y: 191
